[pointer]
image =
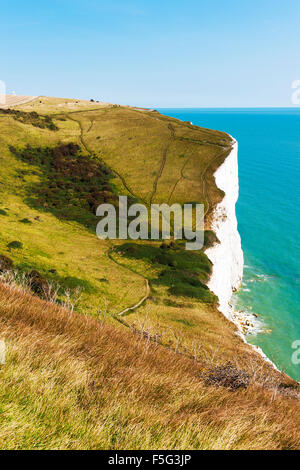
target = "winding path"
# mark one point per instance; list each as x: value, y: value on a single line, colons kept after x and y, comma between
x: 135, y: 306
x: 90, y: 152
x: 163, y: 162
x: 148, y: 289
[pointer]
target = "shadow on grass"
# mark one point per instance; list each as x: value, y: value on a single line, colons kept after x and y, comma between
x: 63, y: 283
x: 183, y: 272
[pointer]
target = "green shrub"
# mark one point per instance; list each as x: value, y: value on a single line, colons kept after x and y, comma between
x: 25, y: 221
x: 33, y: 118
x: 15, y: 245
x: 210, y: 239
x: 204, y: 295
x: 184, y: 272
x: 73, y: 184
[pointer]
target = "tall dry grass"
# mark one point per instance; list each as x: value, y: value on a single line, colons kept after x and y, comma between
x: 74, y: 382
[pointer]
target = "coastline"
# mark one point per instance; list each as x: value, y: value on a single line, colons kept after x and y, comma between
x: 227, y: 255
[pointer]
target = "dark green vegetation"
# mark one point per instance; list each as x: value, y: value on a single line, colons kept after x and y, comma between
x: 25, y: 221
x: 184, y: 272
x: 33, y: 118
x: 72, y: 184
x: 15, y: 245
x: 210, y: 239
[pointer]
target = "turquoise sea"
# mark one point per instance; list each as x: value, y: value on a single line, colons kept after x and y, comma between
x: 268, y: 213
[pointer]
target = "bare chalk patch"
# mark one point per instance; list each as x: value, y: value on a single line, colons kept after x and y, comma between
x: 2, y: 352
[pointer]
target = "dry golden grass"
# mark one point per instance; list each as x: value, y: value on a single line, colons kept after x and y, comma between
x: 16, y: 100
x: 48, y: 105
x: 73, y: 382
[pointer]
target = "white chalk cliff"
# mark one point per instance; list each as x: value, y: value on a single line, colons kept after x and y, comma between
x: 226, y: 256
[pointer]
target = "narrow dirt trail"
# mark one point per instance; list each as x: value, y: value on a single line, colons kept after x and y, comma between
x: 137, y: 305
x: 90, y: 152
x: 147, y: 286
x: 202, y: 176
x: 179, y: 179
x: 85, y: 146
x: 91, y: 125
x: 163, y: 163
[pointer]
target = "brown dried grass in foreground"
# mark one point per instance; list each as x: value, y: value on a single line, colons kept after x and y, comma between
x: 72, y: 382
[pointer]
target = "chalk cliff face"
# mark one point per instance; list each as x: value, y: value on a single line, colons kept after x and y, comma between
x: 227, y: 256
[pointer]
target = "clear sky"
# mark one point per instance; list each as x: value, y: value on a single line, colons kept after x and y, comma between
x: 157, y: 53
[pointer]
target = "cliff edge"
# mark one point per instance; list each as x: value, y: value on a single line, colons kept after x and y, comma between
x: 226, y: 256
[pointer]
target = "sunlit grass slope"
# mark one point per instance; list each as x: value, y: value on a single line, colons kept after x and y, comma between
x: 72, y: 382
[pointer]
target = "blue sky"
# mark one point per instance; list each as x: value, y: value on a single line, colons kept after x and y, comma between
x: 167, y: 53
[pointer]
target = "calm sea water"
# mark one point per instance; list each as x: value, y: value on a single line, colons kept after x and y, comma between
x: 268, y: 213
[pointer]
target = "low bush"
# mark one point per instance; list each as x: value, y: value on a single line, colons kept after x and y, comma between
x: 33, y: 118
x: 25, y: 221
x: 38, y: 284
x: 15, y: 245
x: 210, y: 239
x: 228, y: 376
x: 184, y: 272
x: 72, y: 185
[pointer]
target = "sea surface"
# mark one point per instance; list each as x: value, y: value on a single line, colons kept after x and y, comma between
x: 268, y: 213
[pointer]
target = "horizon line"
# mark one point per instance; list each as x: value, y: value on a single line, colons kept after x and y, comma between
x: 227, y: 107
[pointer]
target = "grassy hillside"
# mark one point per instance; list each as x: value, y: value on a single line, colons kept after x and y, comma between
x: 72, y: 382
x: 59, y: 159
x: 161, y: 158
